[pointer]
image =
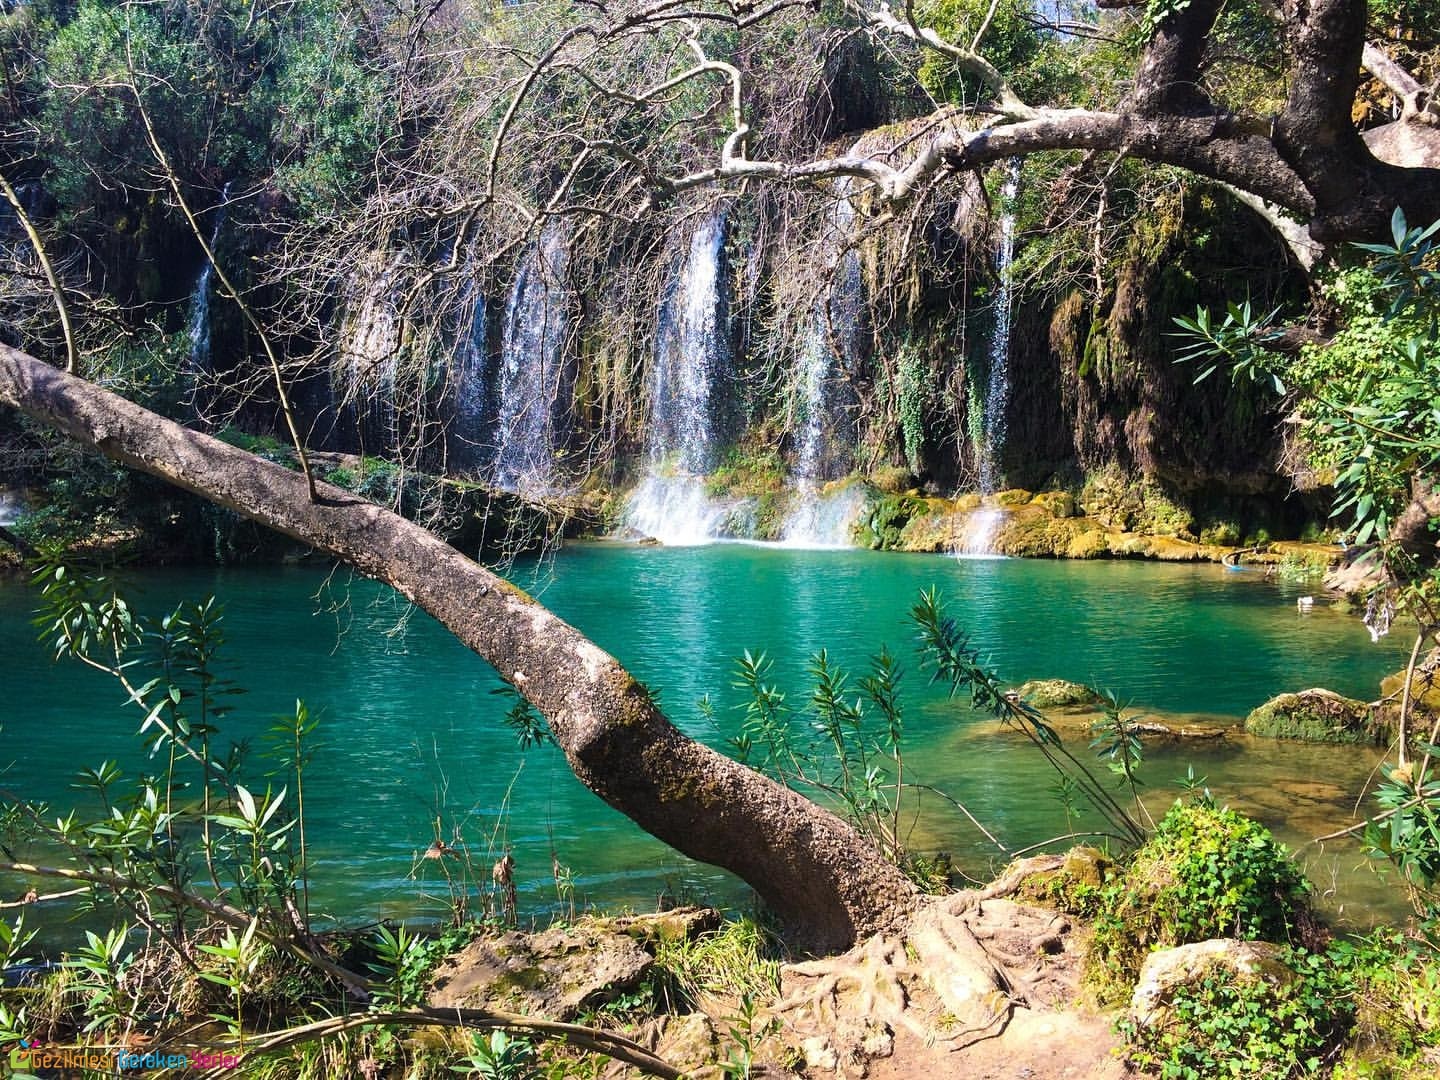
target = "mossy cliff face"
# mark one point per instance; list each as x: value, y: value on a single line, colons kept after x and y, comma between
x: 1095, y: 383
x: 1034, y: 526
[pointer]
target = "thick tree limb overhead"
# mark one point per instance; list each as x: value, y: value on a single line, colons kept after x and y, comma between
x: 1309, y: 160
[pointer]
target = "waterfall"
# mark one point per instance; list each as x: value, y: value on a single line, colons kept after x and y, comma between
x: 826, y: 437
x: 12, y: 507
x: 198, y: 365
x: 824, y: 519
x: 997, y: 378
x: 979, y: 534
x: 692, y: 356
x: 534, y: 390
x: 471, y: 385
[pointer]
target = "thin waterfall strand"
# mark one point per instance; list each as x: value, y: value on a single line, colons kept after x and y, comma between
x: 979, y: 535
x: 199, y: 365
x: 823, y: 445
x: 692, y: 357
x: 531, y: 372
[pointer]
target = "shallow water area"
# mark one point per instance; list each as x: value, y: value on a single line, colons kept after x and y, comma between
x: 411, y: 730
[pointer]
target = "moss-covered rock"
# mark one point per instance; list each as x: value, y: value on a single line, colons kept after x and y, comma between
x: 1088, y: 544
x: 1060, y: 504
x: 1057, y: 693
x: 557, y: 973
x: 1424, y: 698
x: 1013, y: 497
x: 892, y: 479
x: 1029, y: 532
x: 1167, y: 972
x: 886, y: 519
x: 1313, y: 715
x: 1074, y: 886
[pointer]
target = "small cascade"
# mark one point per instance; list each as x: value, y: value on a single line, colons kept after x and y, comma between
x: 980, y: 529
x: 997, y: 379
x: 692, y: 356
x: 676, y: 510
x: 825, y: 440
x: 198, y: 363
x: 534, y: 390
x: 473, y: 406
x: 977, y: 539
x: 824, y: 519
x: 12, y: 507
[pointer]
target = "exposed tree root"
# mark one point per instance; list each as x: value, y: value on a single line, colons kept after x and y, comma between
x: 965, y: 970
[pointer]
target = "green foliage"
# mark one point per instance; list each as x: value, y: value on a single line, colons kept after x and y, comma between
x: 747, y: 470
x: 740, y: 958
x: 914, y: 392
x: 334, y: 106
x: 850, y: 749
x: 1116, y: 742
x: 236, y: 957
x: 1407, y: 831
x: 403, y: 963
x: 746, y: 1030
x: 100, y: 965
x: 500, y: 1056
x: 1394, y: 982
x: 1010, y: 42
x: 1367, y: 396
x: 1207, y: 872
x: 1276, y: 1025
x: 524, y: 719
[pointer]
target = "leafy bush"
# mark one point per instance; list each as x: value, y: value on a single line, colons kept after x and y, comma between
x: 1395, y: 983
x: 1224, y: 1025
x: 1206, y: 873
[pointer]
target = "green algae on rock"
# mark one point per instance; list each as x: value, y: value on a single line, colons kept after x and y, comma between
x: 1315, y: 715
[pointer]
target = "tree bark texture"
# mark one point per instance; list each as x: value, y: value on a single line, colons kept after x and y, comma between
x: 825, y: 881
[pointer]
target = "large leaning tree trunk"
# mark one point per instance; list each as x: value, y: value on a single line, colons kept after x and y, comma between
x: 829, y: 885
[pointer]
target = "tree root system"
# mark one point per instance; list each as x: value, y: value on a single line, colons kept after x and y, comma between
x: 975, y: 981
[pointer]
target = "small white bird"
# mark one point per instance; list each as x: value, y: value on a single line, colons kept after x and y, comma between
x: 1305, y: 603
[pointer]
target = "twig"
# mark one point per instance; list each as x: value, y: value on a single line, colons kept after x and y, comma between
x: 56, y: 290
x: 250, y: 317
x: 226, y: 913
x: 603, y: 1042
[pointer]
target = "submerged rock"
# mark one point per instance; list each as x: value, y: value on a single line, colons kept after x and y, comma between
x: 1315, y: 715
x: 1057, y: 693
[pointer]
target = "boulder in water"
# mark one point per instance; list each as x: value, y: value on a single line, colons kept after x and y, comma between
x: 1314, y: 715
x: 1058, y: 694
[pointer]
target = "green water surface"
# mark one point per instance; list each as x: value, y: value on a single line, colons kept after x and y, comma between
x: 411, y: 731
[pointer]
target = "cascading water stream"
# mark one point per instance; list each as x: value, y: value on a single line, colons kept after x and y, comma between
x: 533, y: 392
x: 979, y: 534
x: 199, y: 367
x: 824, y: 440
x: 692, y: 357
x: 473, y: 405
